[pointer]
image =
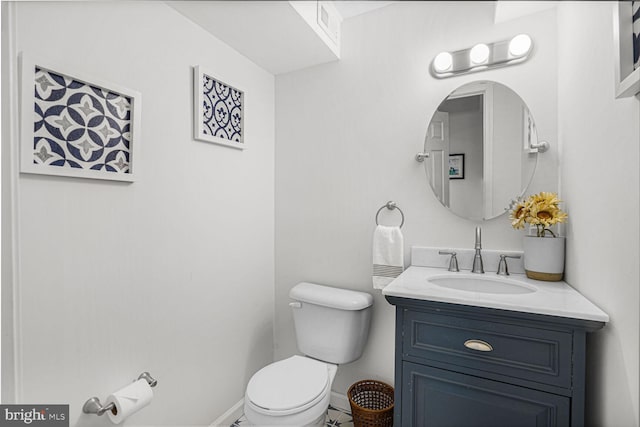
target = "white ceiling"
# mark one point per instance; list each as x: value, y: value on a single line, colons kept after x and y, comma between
x: 275, y: 36
x: 507, y: 10
x: 270, y: 33
x: 349, y: 8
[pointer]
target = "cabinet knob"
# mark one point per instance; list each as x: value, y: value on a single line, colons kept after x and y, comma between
x: 478, y: 345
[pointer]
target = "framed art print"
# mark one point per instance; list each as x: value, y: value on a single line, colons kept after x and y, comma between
x: 456, y: 166
x: 626, y: 36
x: 77, y: 126
x: 218, y: 110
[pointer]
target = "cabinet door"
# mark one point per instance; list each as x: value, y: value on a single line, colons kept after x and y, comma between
x: 441, y: 398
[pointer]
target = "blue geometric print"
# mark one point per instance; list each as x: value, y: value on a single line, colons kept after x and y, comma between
x: 635, y: 10
x: 222, y: 110
x: 79, y: 125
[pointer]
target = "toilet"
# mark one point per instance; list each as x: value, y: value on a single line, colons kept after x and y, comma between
x: 332, y: 326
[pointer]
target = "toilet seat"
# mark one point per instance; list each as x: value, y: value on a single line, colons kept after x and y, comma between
x: 288, y: 386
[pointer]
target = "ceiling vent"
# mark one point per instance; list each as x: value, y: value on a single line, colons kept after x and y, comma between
x: 329, y: 20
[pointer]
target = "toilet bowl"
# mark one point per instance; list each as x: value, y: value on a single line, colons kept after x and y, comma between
x: 292, y: 392
x: 332, y: 326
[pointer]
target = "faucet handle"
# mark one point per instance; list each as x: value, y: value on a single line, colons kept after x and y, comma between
x: 503, y: 268
x: 453, y: 262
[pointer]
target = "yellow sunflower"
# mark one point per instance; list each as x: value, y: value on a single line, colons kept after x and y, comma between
x: 540, y: 210
x: 518, y: 215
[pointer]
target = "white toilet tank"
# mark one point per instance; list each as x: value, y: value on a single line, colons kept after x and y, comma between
x: 331, y: 324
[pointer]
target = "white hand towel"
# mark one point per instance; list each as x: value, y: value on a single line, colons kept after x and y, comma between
x: 388, y: 256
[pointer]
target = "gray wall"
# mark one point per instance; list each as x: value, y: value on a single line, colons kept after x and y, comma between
x: 600, y: 136
x: 172, y: 274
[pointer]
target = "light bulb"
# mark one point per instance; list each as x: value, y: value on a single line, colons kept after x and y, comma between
x: 520, y: 45
x: 443, y: 61
x: 479, y: 54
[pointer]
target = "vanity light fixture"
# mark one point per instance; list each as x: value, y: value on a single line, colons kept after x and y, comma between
x: 482, y: 56
x: 520, y: 45
x: 479, y: 54
x: 443, y: 62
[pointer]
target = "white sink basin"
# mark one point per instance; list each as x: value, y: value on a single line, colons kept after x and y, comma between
x: 481, y: 283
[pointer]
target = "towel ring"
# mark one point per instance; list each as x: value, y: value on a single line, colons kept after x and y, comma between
x: 391, y: 206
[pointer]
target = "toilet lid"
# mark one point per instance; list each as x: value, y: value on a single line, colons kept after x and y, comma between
x: 289, y: 384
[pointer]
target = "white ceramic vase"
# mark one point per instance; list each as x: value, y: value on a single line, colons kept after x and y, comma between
x: 544, y: 258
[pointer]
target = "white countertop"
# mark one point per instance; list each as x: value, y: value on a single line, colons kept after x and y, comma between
x: 550, y: 298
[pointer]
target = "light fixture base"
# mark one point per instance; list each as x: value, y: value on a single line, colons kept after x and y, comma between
x: 482, y: 56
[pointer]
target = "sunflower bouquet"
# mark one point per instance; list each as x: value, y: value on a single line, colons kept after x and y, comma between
x: 540, y: 210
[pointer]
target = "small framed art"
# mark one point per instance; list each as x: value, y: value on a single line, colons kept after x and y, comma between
x: 626, y: 36
x: 218, y: 110
x: 456, y: 166
x: 76, y: 125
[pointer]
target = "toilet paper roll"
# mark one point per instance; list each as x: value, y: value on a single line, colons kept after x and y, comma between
x: 129, y: 400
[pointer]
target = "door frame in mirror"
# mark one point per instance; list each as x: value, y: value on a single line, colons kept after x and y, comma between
x: 486, y: 90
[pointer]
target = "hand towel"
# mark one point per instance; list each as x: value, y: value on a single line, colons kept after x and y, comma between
x: 388, y: 256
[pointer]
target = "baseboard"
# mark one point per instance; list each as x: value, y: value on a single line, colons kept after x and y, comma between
x: 340, y: 401
x: 229, y: 417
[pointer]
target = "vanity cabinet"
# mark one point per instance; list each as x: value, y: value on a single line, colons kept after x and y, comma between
x: 460, y: 365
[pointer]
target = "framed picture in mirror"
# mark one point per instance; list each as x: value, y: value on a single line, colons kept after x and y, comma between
x: 456, y: 166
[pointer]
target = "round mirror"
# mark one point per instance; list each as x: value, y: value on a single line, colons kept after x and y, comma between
x: 478, y: 150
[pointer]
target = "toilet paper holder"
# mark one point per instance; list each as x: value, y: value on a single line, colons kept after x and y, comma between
x: 93, y: 405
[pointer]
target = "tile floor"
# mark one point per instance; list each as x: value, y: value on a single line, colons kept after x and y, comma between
x: 336, y: 417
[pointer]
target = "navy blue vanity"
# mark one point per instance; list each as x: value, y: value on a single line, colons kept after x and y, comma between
x: 490, y: 357
x: 534, y: 374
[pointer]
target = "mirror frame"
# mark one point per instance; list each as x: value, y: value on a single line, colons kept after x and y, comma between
x: 531, y: 144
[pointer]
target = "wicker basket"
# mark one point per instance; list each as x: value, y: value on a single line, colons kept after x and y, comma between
x: 371, y: 404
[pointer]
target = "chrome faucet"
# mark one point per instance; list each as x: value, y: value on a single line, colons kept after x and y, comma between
x: 477, y: 258
x: 453, y: 261
x: 503, y: 268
